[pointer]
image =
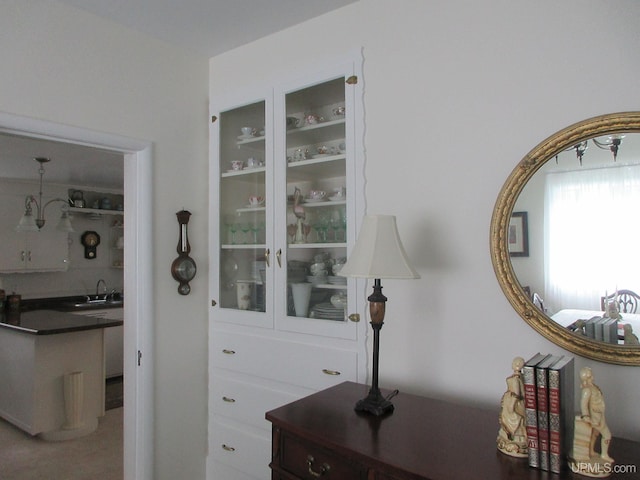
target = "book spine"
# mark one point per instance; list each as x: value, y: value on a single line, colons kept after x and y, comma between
x: 555, y: 422
x: 531, y: 413
x: 543, y: 417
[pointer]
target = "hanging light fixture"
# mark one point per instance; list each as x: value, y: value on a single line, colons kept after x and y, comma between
x: 612, y: 143
x: 29, y: 223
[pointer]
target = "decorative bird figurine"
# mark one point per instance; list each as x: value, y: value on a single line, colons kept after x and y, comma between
x: 298, y: 209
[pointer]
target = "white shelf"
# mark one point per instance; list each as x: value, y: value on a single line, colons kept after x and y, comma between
x: 95, y: 211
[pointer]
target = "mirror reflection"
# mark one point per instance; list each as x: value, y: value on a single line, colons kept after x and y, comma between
x: 582, y: 208
x: 563, y: 238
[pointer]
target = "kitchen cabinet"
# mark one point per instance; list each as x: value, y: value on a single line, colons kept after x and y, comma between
x: 44, y: 251
x: 287, y: 199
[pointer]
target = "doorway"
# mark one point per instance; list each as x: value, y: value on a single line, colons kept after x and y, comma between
x: 138, y: 309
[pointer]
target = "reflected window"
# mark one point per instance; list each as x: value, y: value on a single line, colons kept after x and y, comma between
x: 592, y: 231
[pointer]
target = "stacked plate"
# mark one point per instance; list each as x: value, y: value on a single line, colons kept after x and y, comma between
x: 336, y: 280
x: 326, y: 311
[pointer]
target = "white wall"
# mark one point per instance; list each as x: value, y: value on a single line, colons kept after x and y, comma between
x: 456, y: 93
x: 65, y: 66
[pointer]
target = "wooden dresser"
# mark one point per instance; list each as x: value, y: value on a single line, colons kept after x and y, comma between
x: 321, y: 436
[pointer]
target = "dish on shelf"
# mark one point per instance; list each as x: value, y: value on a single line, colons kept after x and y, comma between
x: 337, y: 198
x: 317, y: 279
x: 245, y: 137
x: 327, y: 311
x: 320, y: 155
x: 336, y: 280
x: 314, y: 200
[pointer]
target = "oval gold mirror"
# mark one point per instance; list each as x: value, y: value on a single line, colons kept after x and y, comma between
x: 568, y: 251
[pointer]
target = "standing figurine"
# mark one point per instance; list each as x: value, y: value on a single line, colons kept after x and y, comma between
x: 589, y: 426
x: 512, y: 436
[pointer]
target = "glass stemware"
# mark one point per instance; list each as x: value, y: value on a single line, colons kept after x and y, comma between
x: 245, y: 227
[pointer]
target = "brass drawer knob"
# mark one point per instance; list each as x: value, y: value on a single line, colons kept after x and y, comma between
x: 228, y: 448
x: 326, y: 371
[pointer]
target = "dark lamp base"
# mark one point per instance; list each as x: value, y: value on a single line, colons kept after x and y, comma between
x: 375, y: 404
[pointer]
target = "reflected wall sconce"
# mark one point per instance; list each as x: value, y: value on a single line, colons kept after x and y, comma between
x: 29, y: 223
x: 378, y: 253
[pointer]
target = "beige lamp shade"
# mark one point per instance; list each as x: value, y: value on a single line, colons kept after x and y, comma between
x: 378, y: 252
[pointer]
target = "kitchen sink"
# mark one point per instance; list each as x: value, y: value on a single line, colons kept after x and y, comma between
x: 93, y: 301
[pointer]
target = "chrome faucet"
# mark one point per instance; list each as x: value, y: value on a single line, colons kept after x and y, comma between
x: 98, y: 287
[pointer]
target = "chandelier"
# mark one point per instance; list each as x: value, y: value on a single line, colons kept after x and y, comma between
x: 29, y: 223
x: 612, y: 143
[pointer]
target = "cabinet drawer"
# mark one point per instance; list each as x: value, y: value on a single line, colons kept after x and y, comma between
x: 295, y: 363
x: 246, y: 402
x: 306, y: 460
x: 241, y: 450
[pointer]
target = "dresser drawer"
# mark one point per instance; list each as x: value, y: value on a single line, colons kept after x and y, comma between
x: 306, y: 460
x: 246, y: 402
x: 309, y: 366
x: 240, y: 450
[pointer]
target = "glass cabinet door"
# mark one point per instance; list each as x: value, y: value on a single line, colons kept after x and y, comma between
x: 317, y: 213
x: 244, y: 224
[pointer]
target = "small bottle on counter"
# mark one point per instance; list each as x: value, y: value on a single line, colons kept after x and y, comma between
x: 13, y: 302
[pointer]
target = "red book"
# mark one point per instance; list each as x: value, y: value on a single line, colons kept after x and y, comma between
x: 561, y: 412
x: 531, y: 407
x: 542, y: 382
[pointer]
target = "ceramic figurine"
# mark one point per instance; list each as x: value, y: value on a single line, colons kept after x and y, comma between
x: 589, y: 426
x: 630, y: 338
x: 512, y: 436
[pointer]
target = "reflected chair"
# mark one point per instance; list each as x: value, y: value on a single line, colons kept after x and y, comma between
x: 627, y: 301
x: 538, y: 302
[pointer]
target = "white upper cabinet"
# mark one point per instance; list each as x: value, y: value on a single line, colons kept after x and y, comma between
x: 286, y: 202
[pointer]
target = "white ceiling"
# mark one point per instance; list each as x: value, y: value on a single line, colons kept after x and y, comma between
x: 70, y: 164
x: 208, y: 27
x: 204, y: 27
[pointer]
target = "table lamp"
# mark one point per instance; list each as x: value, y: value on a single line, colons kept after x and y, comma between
x: 378, y: 253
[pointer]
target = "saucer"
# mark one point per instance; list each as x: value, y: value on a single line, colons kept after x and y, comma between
x: 337, y: 198
x: 245, y: 137
x: 314, y: 200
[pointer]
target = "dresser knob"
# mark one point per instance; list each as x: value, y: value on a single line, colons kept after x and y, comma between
x: 324, y: 468
x: 326, y: 371
x: 229, y: 400
x: 228, y: 448
x: 228, y: 352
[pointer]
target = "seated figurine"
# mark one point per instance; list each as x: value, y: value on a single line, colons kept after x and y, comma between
x: 589, y: 426
x: 630, y: 338
x: 512, y: 436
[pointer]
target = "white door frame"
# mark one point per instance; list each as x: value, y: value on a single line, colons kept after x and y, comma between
x: 138, y: 280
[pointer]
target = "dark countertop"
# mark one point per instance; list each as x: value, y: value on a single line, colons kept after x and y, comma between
x: 49, y: 322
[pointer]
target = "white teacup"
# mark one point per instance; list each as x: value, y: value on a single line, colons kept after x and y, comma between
x: 237, y: 165
x: 247, y: 131
x: 253, y: 162
x: 255, y: 200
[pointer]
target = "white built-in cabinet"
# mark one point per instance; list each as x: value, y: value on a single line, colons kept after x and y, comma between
x: 277, y: 332
x: 44, y: 251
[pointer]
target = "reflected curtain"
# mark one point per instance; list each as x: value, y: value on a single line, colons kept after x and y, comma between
x: 591, y: 235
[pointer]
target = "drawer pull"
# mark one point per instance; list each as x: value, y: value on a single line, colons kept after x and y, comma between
x: 229, y: 400
x: 228, y: 448
x: 228, y: 352
x: 330, y: 372
x: 324, y: 468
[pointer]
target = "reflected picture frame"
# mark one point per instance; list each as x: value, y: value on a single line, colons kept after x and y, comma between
x: 518, y: 235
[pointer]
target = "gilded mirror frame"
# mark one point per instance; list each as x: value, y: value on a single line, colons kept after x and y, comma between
x: 528, y: 166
